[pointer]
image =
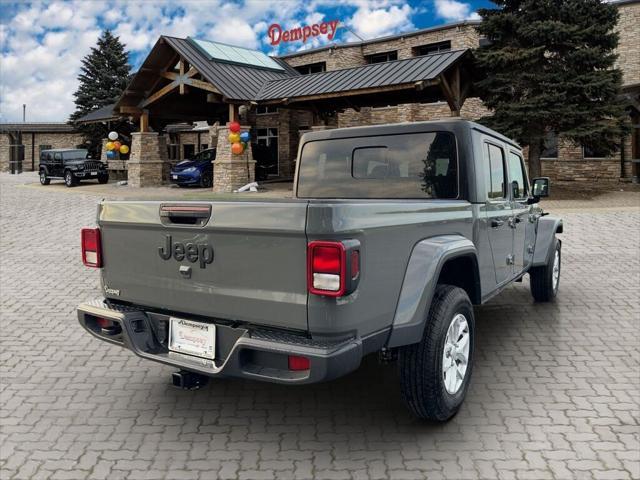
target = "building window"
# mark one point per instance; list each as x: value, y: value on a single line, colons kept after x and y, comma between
x: 172, y: 151
x: 188, y: 150
x: 265, y: 109
x: 430, y: 48
x: 550, y: 146
x: 590, y: 152
x: 44, y: 147
x: 382, y: 57
x: 268, y: 137
x: 312, y: 68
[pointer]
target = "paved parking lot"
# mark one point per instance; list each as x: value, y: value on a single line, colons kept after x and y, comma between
x: 555, y: 391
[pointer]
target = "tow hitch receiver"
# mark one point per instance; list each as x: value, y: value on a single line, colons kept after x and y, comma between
x: 188, y: 380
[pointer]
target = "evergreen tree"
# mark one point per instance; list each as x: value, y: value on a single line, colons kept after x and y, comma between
x: 103, y: 77
x: 549, y: 67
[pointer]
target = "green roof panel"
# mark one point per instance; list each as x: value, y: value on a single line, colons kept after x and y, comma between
x: 233, y: 54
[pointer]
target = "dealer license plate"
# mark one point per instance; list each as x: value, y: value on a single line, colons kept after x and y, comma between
x: 94, y: 173
x: 192, y: 338
x: 175, y: 177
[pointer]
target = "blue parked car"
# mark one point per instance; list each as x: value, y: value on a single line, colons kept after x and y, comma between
x: 195, y: 171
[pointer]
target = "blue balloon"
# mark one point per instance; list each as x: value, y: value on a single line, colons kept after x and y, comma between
x: 111, y: 154
x: 245, y: 137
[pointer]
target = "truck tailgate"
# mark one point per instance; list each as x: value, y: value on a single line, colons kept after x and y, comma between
x: 257, y: 272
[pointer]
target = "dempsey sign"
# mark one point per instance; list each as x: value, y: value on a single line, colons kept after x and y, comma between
x: 277, y: 34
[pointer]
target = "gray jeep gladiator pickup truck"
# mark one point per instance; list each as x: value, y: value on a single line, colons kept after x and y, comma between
x: 394, y: 233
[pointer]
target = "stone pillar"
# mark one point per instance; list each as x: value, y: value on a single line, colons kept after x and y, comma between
x: 5, y: 152
x: 148, y: 163
x: 231, y: 171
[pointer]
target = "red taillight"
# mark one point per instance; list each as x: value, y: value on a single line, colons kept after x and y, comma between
x: 104, y: 323
x: 326, y: 268
x: 355, y: 264
x: 91, y: 247
x: 297, y: 363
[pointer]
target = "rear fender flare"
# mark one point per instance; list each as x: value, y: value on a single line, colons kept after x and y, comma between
x: 420, y: 280
x: 548, y: 226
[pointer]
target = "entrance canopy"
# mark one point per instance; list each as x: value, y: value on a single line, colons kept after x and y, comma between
x: 425, y: 78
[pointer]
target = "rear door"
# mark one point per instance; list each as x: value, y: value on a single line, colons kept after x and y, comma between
x: 245, y: 261
x: 498, y: 211
x: 57, y: 164
x: 520, y: 210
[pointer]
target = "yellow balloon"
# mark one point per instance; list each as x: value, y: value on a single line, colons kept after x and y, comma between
x: 124, y: 149
x: 110, y: 146
x: 234, y: 137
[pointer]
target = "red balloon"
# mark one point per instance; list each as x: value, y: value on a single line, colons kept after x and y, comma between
x: 116, y: 145
x: 234, y: 127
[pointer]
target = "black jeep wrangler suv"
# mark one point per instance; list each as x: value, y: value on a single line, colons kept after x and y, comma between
x: 72, y: 165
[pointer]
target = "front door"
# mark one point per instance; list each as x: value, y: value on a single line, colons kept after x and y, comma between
x: 57, y: 165
x: 520, y: 211
x: 498, y: 211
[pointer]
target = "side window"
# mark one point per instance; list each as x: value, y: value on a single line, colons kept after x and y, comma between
x: 518, y: 177
x: 496, y: 178
x: 57, y: 157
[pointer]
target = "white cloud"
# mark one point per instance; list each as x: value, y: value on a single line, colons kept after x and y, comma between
x: 453, y: 10
x: 43, y: 44
x: 370, y: 22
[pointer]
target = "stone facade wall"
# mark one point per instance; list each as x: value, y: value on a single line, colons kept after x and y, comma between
x: 336, y: 58
x: 53, y: 139
x: 5, y: 154
x: 148, y: 164
x: 230, y: 171
x: 629, y: 44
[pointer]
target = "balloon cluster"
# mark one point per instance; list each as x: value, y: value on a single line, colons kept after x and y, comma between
x: 114, y: 146
x: 238, y: 140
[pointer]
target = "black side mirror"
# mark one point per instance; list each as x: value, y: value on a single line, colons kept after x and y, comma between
x: 540, y: 189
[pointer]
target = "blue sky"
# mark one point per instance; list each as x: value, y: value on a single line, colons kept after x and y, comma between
x: 42, y: 43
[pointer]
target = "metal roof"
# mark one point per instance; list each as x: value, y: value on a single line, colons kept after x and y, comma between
x: 38, y: 127
x: 103, y: 114
x: 235, y: 82
x: 398, y: 72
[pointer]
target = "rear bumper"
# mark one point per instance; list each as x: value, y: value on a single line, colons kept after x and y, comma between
x: 255, y: 354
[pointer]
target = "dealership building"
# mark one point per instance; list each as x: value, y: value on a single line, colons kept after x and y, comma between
x: 187, y: 90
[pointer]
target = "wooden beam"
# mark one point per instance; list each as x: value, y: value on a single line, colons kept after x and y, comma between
x: 159, y: 94
x: 192, y: 72
x: 169, y: 75
x: 144, y: 121
x: 182, y: 71
x: 449, y: 96
x: 202, y: 85
x: 233, y: 112
x: 131, y: 110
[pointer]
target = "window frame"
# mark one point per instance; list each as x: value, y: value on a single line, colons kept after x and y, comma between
x: 323, y: 66
x: 417, y: 49
x: 370, y: 57
x: 547, y: 157
x: 267, y: 112
x: 506, y: 194
x: 592, y: 157
x: 525, y: 176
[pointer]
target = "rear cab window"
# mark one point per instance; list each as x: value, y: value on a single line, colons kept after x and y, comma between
x: 496, y: 173
x: 410, y: 166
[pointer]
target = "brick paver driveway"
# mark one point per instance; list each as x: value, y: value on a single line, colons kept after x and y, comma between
x: 555, y: 391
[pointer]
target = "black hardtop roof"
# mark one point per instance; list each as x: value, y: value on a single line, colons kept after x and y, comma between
x: 453, y: 125
x: 58, y: 150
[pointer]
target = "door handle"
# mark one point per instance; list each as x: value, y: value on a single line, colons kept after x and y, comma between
x: 496, y: 223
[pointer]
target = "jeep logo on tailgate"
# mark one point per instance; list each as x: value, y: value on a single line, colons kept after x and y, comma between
x: 202, y: 252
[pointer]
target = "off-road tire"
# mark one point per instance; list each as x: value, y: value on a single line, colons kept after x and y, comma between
x: 69, y: 179
x: 421, y: 378
x: 44, y: 180
x: 541, y: 278
x: 206, y: 180
x: 102, y: 179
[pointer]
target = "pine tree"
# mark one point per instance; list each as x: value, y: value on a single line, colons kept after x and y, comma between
x: 103, y: 77
x: 549, y: 67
